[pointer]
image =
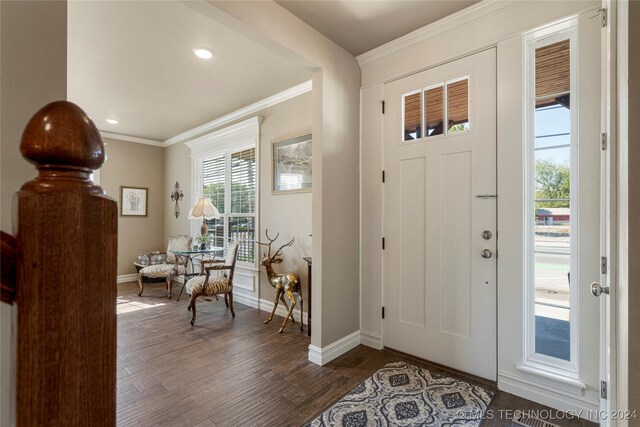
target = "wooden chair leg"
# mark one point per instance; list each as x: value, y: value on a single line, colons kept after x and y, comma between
x: 169, y: 286
x: 140, y: 285
x: 233, y: 313
x: 226, y: 300
x: 192, y: 303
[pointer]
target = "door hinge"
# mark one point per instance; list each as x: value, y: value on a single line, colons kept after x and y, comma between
x: 383, y: 243
x: 603, y: 389
x: 383, y: 312
x: 602, y: 13
x: 603, y: 264
x: 603, y: 141
x: 383, y: 176
x: 383, y: 107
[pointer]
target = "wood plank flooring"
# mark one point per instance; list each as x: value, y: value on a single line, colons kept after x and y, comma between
x: 236, y: 372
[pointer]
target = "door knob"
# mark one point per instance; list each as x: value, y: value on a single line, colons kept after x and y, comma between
x: 486, y: 235
x: 486, y: 253
x: 597, y: 290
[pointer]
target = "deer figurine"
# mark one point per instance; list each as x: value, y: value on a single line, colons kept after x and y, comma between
x: 286, y: 283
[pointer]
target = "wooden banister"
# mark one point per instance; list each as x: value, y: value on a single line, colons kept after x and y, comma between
x: 8, y: 268
x: 66, y: 245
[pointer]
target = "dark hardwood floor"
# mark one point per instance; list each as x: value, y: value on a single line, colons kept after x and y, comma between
x: 237, y: 372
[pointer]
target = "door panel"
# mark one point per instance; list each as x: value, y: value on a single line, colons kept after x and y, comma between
x: 439, y: 293
x: 412, y: 228
x: 455, y: 249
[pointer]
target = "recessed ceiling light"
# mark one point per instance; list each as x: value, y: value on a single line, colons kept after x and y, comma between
x: 203, y: 52
x: 112, y: 121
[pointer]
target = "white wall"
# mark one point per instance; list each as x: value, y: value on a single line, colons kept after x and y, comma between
x: 628, y: 250
x: 33, y: 73
x: 499, y: 24
x: 510, y: 214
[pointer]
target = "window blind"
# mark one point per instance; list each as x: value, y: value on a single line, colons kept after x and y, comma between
x: 229, y: 180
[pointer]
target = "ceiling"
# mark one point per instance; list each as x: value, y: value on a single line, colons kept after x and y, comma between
x: 361, y: 25
x: 133, y: 61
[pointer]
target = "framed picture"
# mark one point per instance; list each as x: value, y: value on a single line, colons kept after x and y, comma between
x: 133, y: 201
x: 291, y: 160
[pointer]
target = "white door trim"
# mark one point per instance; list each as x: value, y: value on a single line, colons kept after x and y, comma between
x: 609, y: 242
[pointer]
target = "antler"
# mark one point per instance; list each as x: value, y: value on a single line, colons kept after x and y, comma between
x: 270, y: 241
x: 279, y: 251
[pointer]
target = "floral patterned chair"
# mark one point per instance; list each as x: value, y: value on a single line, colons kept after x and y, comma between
x: 168, y: 268
x: 213, y: 285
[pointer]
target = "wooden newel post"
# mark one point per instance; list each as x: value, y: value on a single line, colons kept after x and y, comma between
x: 66, y: 276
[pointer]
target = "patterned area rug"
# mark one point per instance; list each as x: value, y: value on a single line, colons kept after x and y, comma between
x: 401, y: 394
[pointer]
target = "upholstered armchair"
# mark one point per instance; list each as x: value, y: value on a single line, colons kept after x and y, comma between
x: 208, y: 284
x: 171, y: 267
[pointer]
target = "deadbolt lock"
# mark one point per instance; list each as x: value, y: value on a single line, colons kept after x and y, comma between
x: 486, y: 235
x: 486, y: 253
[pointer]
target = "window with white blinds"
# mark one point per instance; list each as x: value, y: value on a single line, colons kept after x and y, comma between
x: 229, y: 180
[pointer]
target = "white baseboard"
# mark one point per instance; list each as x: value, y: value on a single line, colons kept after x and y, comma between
x: 371, y: 340
x: 126, y: 278
x: 245, y: 299
x: 324, y: 355
x: 541, y: 393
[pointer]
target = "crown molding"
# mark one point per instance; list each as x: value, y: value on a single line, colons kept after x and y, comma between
x: 246, y: 131
x: 130, y: 138
x: 454, y: 22
x: 243, y: 112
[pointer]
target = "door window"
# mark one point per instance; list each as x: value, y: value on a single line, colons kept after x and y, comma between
x: 412, y: 112
x: 458, y: 106
x: 446, y: 111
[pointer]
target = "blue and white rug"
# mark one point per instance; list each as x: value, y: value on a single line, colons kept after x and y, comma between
x: 401, y: 394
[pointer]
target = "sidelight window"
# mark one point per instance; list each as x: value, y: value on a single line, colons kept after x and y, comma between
x: 551, y: 214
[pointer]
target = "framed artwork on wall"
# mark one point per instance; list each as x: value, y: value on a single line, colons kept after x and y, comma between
x: 133, y: 201
x: 291, y: 161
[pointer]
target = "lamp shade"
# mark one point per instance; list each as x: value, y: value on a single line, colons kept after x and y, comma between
x: 204, y: 208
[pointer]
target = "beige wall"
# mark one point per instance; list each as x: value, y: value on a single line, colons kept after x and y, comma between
x: 335, y: 117
x: 136, y: 165
x: 288, y: 214
x: 34, y: 73
x: 177, y: 167
x: 33, y: 45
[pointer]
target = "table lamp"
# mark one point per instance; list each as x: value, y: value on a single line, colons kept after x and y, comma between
x: 204, y: 209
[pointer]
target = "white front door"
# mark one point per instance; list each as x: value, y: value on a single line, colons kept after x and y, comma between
x: 440, y: 214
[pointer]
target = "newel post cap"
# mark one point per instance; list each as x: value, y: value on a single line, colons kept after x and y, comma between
x: 61, y: 134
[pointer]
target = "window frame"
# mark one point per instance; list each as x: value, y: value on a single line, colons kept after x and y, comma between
x: 224, y: 143
x: 565, y: 30
x: 468, y: 76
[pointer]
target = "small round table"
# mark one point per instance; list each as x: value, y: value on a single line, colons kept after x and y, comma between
x: 189, y: 256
